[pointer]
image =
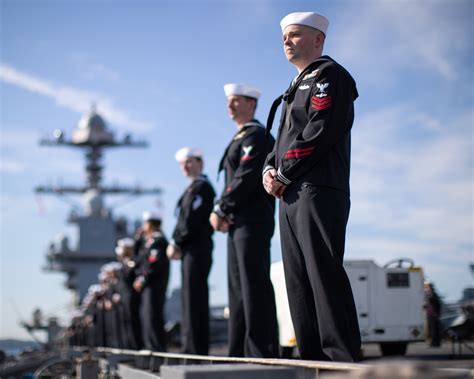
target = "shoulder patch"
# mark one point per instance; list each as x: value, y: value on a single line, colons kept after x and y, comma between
x: 322, y: 89
x: 247, y: 150
x: 197, y: 202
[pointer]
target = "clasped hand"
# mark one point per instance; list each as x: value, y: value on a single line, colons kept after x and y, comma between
x: 221, y: 224
x: 174, y: 252
x: 272, y: 185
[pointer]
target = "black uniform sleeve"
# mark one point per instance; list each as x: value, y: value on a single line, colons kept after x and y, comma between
x: 156, y: 259
x: 270, y: 160
x: 248, y: 175
x: 330, y: 112
x: 194, y: 214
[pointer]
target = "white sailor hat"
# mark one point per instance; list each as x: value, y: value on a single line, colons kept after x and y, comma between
x: 153, y: 215
x: 107, y: 267
x: 104, y: 267
x: 126, y: 242
x: 111, y: 267
x: 115, y: 266
x: 76, y: 313
x: 310, y: 19
x: 187, y: 152
x: 94, y: 288
x: 241, y: 90
x: 119, y: 250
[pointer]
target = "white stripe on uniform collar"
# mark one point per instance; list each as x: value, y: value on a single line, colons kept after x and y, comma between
x: 253, y: 122
x: 202, y: 178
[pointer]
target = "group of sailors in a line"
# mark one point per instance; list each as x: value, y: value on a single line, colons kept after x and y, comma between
x: 125, y: 309
x: 307, y: 169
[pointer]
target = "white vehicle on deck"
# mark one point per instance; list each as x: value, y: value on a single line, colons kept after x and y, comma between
x: 389, y: 302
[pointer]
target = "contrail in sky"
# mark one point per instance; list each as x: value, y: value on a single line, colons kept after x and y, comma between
x: 72, y: 98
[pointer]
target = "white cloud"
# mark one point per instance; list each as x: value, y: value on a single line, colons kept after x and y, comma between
x: 72, y: 98
x: 414, y: 196
x: 421, y: 35
x: 389, y: 38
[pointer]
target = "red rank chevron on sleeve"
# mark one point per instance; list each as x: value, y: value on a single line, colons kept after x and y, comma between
x: 320, y: 103
x: 299, y: 153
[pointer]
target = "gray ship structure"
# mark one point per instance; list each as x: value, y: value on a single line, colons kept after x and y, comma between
x: 98, y: 231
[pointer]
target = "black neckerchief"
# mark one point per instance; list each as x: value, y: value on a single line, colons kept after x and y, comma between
x: 253, y: 122
x: 289, y: 94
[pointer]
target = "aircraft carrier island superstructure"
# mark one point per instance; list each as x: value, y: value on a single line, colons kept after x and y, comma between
x: 98, y: 231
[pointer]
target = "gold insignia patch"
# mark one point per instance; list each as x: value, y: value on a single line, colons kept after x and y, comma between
x: 311, y: 74
x: 240, y: 135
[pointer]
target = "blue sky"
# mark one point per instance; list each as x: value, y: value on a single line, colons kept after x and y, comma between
x: 156, y: 69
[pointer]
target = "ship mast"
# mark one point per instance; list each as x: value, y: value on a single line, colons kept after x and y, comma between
x: 98, y: 231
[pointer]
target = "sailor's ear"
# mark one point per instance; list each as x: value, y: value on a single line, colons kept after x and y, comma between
x: 319, y: 39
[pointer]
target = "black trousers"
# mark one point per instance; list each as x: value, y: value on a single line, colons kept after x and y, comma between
x: 131, y: 312
x: 434, y: 331
x: 313, y: 223
x: 153, y: 302
x: 195, y: 268
x: 111, y: 328
x: 91, y: 337
x: 253, y: 328
x: 122, y: 336
x: 99, y: 326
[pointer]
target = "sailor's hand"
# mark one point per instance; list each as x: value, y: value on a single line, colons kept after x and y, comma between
x: 219, y: 223
x: 174, y: 252
x: 107, y: 305
x: 279, y: 191
x: 215, y: 221
x: 88, y: 320
x: 138, y: 285
x: 272, y: 185
x: 116, y: 298
x: 224, y: 228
